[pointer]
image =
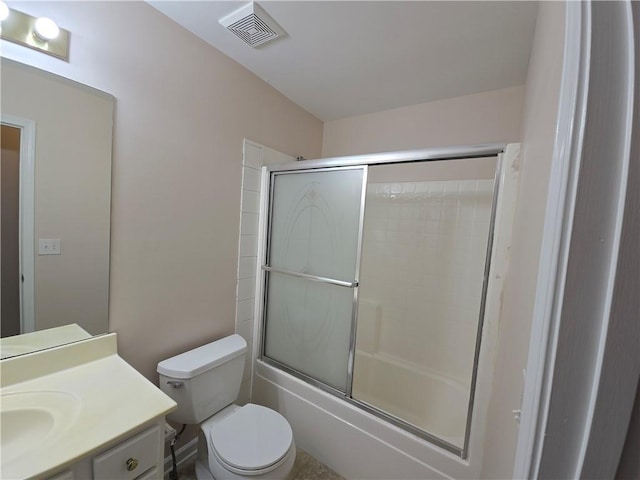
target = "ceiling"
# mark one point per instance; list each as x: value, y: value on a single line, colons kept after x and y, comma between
x: 341, y: 59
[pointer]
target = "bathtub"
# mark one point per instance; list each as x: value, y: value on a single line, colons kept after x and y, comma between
x: 352, y: 441
x: 430, y: 401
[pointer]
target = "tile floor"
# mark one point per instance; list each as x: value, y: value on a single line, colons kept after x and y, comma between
x: 305, y: 468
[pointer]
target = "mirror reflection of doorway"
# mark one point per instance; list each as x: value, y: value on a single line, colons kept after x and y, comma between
x: 10, y: 231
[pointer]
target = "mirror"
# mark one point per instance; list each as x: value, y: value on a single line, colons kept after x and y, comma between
x: 56, y: 202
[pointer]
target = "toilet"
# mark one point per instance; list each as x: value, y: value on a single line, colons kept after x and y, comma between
x: 234, y: 442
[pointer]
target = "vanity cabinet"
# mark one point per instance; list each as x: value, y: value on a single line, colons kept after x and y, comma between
x: 130, y: 459
x: 109, y: 419
x: 137, y: 457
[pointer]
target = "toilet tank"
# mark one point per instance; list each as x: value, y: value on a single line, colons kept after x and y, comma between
x: 204, y: 380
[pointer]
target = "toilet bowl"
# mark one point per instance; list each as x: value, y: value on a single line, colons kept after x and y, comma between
x: 234, y: 442
x: 245, y: 442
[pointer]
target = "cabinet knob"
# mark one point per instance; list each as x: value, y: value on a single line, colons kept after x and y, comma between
x: 132, y: 464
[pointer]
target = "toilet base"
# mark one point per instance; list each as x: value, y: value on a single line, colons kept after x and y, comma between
x: 280, y: 473
x: 202, y: 473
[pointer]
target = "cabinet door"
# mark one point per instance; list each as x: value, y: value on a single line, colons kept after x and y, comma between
x: 130, y: 459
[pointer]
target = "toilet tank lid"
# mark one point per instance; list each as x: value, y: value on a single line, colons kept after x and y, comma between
x: 199, y: 360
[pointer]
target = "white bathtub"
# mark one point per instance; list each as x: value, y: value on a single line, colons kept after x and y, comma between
x: 432, y: 402
x: 353, y: 442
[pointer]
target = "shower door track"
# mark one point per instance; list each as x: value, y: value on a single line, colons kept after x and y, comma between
x: 355, y: 161
x: 422, y: 155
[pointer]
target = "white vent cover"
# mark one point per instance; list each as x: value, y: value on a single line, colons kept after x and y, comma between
x: 252, y: 25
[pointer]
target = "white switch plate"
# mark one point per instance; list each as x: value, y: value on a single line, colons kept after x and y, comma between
x: 49, y: 246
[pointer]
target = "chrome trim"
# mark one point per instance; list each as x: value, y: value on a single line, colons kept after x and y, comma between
x: 267, y: 257
x: 303, y: 376
x: 313, y: 278
x: 356, y: 292
x: 483, y: 301
x: 426, y: 154
x: 309, y: 166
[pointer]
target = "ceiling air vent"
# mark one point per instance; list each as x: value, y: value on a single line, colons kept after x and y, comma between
x: 252, y: 25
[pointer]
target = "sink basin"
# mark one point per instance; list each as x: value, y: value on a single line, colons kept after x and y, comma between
x: 30, y: 419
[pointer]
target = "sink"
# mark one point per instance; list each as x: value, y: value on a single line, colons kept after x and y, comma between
x: 31, y: 419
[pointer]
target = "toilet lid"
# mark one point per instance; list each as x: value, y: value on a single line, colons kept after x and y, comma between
x: 252, y: 438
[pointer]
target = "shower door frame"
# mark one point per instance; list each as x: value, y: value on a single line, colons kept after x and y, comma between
x: 265, y: 269
x: 364, y: 161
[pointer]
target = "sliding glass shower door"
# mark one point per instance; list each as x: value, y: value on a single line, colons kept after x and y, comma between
x: 312, y: 271
x: 402, y: 341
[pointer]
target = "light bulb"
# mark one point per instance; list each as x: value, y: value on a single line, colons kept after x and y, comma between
x: 46, y: 29
x: 4, y: 11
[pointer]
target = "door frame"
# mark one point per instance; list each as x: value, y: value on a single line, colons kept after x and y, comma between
x: 26, y: 217
x: 579, y: 389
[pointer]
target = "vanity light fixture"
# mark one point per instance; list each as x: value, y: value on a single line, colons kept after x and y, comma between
x: 46, y: 29
x: 42, y: 34
x: 4, y: 11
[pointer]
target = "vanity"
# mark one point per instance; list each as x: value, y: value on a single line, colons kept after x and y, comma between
x: 79, y: 411
x: 70, y: 407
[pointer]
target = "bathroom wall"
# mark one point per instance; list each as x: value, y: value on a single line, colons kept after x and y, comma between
x: 182, y: 112
x: 538, y: 136
x: 493, y: 116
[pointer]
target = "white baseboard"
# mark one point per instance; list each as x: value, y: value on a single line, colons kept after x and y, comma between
x: 184, y: 454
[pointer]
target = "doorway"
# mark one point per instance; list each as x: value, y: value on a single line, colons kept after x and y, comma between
x: 17, y: 176
x: 10, y: 236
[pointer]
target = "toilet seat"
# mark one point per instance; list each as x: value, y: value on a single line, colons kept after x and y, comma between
x: 252, y: 440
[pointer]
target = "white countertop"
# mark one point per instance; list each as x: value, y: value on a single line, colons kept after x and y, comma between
x: 31, y: 342
x: 114, y: 400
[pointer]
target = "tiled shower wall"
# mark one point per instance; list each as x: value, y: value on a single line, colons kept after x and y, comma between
x: 255, y: 156
x: 422, y: 270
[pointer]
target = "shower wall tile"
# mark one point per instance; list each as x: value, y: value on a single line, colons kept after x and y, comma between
x: 251, y: 179
x: 247, y: 267
x: 269, y: 157
x: 255, y: 156
x: 250, y: 201
x: 252, y: 156
x: 244, y: 310
x: 245, y: 330
x: 246, y: 288
x: 248, y: 245
x: 249, y: 223
x: 423, y: 264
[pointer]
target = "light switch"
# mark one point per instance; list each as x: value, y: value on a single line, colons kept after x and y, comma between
x: 49, y: 246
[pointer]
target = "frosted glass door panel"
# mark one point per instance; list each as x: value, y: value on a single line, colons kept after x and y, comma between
x: 309, y: 326
x: 314, y: 230
x: 315, y: 222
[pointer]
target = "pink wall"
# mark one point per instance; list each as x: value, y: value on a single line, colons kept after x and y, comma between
x: 538, y: 137
x: 182, y: 110
x: 479, y: 118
